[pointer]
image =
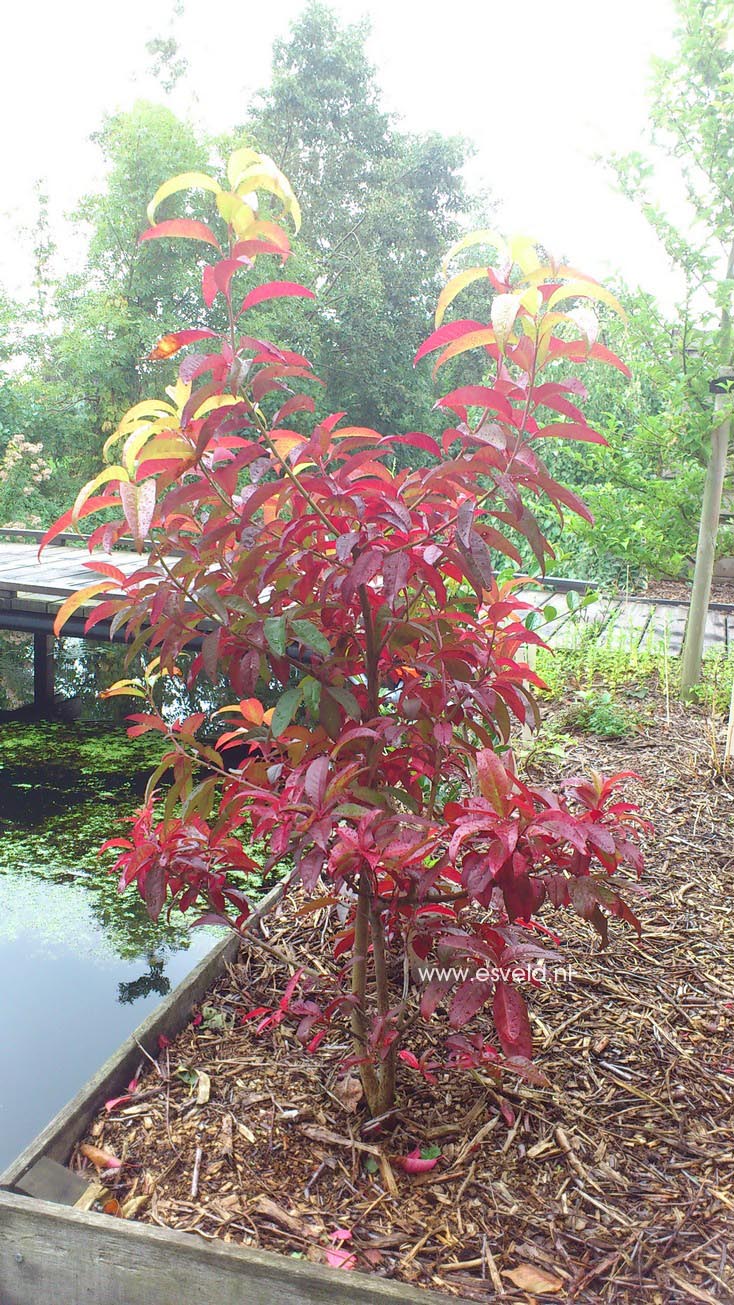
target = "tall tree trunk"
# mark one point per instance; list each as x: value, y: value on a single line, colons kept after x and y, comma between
x: 692, y: 656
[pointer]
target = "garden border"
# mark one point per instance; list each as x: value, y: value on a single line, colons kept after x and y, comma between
x: 55, y: 1253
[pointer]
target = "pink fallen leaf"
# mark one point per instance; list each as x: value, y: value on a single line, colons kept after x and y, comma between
x: 528, y: 1277
x: 339, y: 1259
x: 132, y: 1088
x: 414, y: 1163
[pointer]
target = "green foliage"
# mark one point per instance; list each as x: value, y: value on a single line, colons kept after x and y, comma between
x: 381, y: 207
x: 645, y: 487
x: 596, y: 711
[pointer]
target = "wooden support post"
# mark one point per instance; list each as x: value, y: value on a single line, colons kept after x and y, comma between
x: 43, y: 674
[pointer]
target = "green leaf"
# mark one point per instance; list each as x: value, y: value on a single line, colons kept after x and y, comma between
x: 309, y: 634
x: 285, y: 711
x: 347, y: 700
x: 275, y: 634
x: 311, y: 690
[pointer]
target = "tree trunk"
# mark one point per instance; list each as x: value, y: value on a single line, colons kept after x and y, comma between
x: 692, y: 655
x: 359, y: 991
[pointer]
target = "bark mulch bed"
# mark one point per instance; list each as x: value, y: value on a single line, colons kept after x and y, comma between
x: 615, y: 1183
x: 679, y: 591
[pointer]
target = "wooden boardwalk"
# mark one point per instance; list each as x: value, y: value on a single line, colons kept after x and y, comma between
x: 59, y: 573
x: 645, y: 624
x: 32, y: 590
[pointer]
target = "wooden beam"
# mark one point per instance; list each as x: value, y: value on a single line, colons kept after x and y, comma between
x: 43, y: 674
x: 50, y: 1253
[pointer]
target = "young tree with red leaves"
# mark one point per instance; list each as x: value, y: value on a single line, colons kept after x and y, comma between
x: 384, y: 776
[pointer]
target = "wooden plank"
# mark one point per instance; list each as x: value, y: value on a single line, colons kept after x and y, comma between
x: 49, y: 1181
x: 43, y: 674
x: 51, y: 1255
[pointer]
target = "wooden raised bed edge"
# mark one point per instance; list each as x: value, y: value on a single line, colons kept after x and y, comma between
x: 56, y: 1255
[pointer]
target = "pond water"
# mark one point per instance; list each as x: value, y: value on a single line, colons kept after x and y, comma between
x: 79, y: 965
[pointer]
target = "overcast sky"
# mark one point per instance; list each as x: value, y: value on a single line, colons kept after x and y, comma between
x: 539, y: 85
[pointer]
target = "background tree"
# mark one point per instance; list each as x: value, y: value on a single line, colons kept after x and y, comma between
x: 115, y: 308
x: 645, y: 487
x: 692, y: 129
x: 381, y: 206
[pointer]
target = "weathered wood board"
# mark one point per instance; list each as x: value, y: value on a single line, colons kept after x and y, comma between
x: 50, y: 1255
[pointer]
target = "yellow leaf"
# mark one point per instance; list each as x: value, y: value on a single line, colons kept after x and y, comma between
x: 215, y: 401
x: 263, y: 174
x: 235, y: 211
x: 121, y: 691
x: 484, y: 237
x: 532, y: 300
x: 530, y: 1278
x: 109, y: 473
x: 151, y: 411
x: 135, y: 442
x: 524, y: 254
x: 455, y: 286
x: 283, y: 444
x: 184, y: 181
x: 159, y: 448
x: 238, y: 162
x: 262, y: 230
x: 472, y: 340
x: 550, y: 321
x: 583, y: 289
x: 70, y: 605
x: 586, y: 320
x: 244, y: 218
x: 179, y: 394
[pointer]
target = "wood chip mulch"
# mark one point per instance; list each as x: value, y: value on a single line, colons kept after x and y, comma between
x: 614, y: 1184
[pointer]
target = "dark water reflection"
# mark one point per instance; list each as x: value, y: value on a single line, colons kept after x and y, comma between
x: 79, y: 965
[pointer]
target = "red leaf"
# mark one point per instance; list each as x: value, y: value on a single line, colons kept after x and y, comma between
x: 468, y: 999
x: 494, y: 782
x: 511, y: 1021
x: 64, y: 522
x: 478, y: 396
x: 445, y: 334
x: 571, y: 430
x: 168, y: 345
x: 274, y: 290
x: 181, y: 227
x: 413, y: 1163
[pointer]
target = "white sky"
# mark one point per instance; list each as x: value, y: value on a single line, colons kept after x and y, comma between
x: 539, y: 85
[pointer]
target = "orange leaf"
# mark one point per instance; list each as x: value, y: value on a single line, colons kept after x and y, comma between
x: 530, y: 1278
x: 70, y: 605
x: 99, y: 1158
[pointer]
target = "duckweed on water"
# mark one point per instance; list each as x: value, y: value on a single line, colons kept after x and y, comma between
x: 64, y: 789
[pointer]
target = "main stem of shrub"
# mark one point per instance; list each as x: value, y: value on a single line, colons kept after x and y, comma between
x: 378, y: 1080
